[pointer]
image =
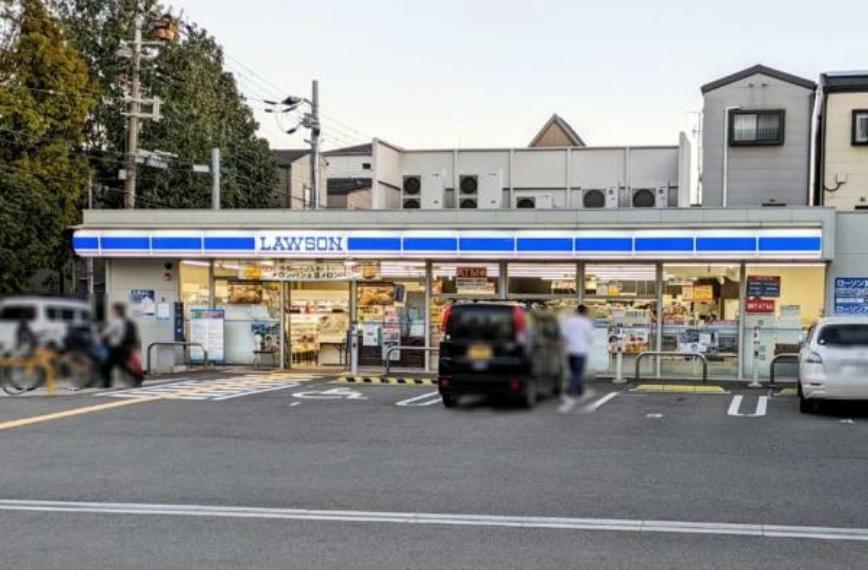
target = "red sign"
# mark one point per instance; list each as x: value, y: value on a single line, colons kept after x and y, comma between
x: 471, y: 272
x: 760, y: 306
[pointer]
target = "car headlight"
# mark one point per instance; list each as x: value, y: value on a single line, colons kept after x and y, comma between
x: 814, y: 358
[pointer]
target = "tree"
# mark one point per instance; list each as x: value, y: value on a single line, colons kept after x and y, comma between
x: 45, y: 99
x: 202, y: 108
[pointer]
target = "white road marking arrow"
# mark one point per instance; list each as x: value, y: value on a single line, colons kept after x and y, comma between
x: 333, y: 394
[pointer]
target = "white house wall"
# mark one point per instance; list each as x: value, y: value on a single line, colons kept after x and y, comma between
x: 651, y: 167
x: 348, y: 166
x: 597, y: 168
x: 428, y: 162
x: 539, y: 168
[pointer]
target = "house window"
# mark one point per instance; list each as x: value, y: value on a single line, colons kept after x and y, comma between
x: 860, y: 127
x: 756, y: 128
x: 366, y: 166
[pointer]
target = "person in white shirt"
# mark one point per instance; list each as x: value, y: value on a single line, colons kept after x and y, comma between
x: 578, y: 335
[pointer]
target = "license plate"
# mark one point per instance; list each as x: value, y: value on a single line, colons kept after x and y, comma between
x: 479, y: 352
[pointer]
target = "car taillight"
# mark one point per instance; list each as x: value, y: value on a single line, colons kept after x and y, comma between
x: 814, y: 358
x: 519, y: 323
x: 444, y: 320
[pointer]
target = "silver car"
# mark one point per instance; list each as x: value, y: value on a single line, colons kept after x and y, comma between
x: 833, y: 362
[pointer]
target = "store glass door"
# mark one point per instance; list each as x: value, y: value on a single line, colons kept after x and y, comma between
x: 317, y: 319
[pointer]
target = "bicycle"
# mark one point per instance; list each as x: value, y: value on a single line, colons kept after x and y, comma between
x: 25, y: 372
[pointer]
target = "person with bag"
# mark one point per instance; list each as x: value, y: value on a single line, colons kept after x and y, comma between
x: 121, y: 337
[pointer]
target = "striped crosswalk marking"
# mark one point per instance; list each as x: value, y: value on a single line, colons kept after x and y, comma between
x: 213, y: 390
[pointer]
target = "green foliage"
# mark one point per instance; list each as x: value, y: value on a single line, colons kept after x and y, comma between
x: 45, y: 99
x: 202, y: 108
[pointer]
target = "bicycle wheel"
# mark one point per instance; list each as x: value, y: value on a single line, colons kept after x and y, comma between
x: 8, y: 387
x: 20, y: 379
x: 80, y: 371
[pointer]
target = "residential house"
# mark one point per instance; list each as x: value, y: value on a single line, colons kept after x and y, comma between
x: 842, y: 141
x: 756, y: 139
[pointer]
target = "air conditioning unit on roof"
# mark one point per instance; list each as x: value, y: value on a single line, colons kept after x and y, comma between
x: 537, y: 202
x: 490, y: 190
x: 432, y: 191
x: 598, y: 198
x: 643, y: 197
x: 410, y: 192
x: 468, y: 191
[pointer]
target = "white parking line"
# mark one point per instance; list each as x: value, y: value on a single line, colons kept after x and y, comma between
x: 594, y: 406
x: 565, y: 523
x: 427, y: 399
x: 761, y: 406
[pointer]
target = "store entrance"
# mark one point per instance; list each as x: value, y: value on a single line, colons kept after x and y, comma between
x: 317, y: 319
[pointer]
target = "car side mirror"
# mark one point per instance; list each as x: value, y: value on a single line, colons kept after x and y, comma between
x: 803, y: 337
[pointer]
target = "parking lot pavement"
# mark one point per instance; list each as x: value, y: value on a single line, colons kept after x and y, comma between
x: 744, y: 457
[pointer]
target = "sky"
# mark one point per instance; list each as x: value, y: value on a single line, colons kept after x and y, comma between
x: 490, y: 73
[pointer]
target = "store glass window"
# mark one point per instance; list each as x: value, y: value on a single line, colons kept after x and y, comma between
x: 537, y: 279
x: 460, y: 282
x: 469, y: 280
x: 701, y: 316
x: 623, y: 305
x: 620, y: 281
x: 782, y: 302
x: 251, y: 315
x: 195, y: 285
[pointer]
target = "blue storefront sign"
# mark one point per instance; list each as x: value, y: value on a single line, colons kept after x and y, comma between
x: 851, y: 295
x: 500, y: 244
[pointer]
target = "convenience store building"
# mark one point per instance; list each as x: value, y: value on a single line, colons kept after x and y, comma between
x: 248, y: 282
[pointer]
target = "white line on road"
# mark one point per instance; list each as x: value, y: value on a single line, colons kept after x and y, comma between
x: 594, y: 406
x: 761, y: 406
x: 416, y: 400
x: 566, y: 523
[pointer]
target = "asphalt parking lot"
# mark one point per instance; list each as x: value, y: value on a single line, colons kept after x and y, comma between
x: 291, y: 470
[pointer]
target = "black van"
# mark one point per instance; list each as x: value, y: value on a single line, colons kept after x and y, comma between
x: 499, y: 349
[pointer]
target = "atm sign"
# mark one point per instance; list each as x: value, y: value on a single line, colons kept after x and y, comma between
x: 760, y: 306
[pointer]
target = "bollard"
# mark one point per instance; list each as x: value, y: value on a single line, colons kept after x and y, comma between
x: 619, y: 368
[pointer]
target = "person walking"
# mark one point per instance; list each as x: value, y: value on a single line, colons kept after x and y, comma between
x: 121, y: 337
x: 578, y: 335
x: 25, y: 340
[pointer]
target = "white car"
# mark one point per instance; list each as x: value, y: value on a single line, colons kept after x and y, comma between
x: 833, y: 362
x: 49, y: 318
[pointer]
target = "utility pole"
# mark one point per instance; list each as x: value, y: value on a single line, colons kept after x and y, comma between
x: 313, y: 125
x: 215, y: 178
x: 89, y: 260
x: 135, y: 111
x: 310, y: 121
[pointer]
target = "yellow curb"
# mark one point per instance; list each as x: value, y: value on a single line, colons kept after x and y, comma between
x: 679, y: 389
x: 787, y: 392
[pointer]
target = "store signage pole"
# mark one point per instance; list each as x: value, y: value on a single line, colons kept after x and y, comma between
x: 354, y: 349
x: 756, y: 351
